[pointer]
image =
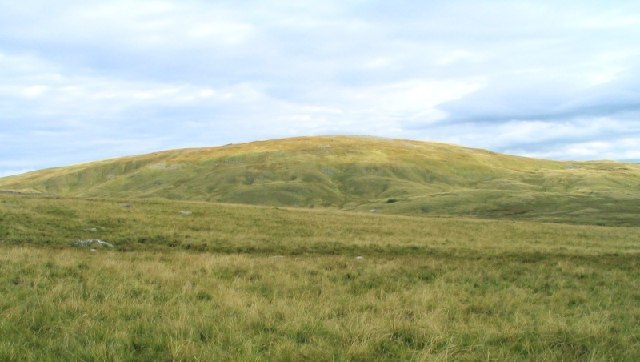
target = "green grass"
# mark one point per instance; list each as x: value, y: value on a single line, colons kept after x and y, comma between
x: 360, y: 174
x: 232, y: 282
x: 227, y: 228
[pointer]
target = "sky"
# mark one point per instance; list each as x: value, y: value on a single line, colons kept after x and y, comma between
x: 88, y: 80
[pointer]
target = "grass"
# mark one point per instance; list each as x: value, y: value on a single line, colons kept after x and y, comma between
x: 360, y: 174
x: 226, y: 228
x: 232, y: 282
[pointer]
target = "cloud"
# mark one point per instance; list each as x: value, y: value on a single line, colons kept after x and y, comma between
x: 623, y: 149
x: 96, y: 79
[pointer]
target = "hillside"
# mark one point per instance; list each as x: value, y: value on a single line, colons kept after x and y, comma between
x: 360, y: 174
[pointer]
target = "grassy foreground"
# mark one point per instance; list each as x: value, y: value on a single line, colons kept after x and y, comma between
x: 248, y: 283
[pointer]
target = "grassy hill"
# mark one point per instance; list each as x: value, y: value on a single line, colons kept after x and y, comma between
x: 190, y: 279
x: 360, y: 174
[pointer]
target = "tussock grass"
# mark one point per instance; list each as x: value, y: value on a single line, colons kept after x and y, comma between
x: 225, y: 228
x: 73, y: 304
x: 233, y: 282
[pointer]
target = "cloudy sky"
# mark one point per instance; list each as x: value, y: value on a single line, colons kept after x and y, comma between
x: 86, y: 80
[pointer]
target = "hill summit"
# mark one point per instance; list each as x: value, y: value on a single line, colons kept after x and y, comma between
x: 362, y: 174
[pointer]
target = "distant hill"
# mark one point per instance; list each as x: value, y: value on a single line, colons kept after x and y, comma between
x: 360, y: 173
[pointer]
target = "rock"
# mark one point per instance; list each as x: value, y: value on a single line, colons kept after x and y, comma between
x: 89, y: 242
x: 359, y: 257
x: 185, y: 212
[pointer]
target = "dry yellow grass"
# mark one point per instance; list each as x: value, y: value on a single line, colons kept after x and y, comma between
x: 235, y: 282
x: 74, y: 304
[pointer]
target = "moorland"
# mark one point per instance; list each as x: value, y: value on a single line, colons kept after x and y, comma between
x: 324, y: 248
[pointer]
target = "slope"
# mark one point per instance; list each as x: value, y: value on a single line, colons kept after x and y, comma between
x: 360, y: 173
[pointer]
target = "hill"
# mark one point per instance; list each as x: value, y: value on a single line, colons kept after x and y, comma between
x: 360, y: 174
x: 88, y: 275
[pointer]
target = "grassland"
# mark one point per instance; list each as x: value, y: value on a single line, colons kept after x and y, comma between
x: 233, y: 282
x: 361, y: 174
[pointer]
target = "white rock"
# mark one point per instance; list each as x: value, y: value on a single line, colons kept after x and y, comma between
x: 87, y: 242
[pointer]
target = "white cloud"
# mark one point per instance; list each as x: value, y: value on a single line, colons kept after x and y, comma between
x: 611, y: 19
x: 63, y: 93
x: 529, y: 77
x: 459, y: 55
x: 33, y: 91
x: 621, y: 149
